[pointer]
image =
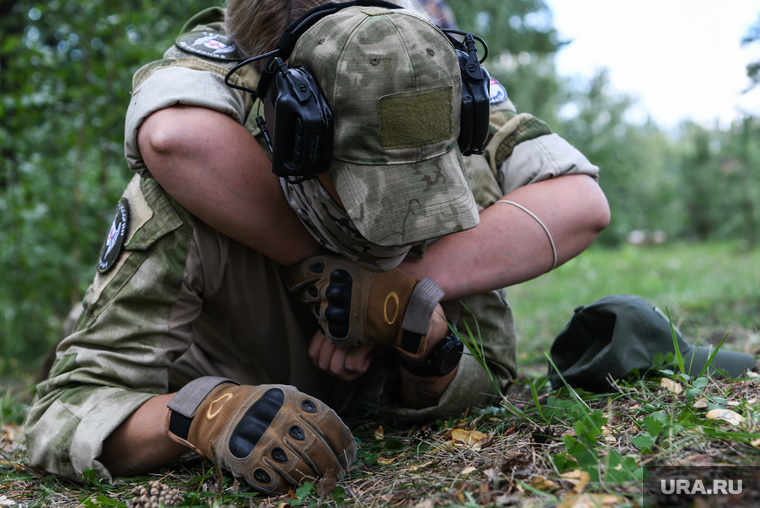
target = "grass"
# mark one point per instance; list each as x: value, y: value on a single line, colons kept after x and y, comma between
x: 539, y: 448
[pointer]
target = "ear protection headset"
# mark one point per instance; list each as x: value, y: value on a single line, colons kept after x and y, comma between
x: 302, y: 120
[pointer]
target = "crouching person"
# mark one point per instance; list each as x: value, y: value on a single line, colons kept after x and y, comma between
x: 192, y: 338
x: 189, y: 339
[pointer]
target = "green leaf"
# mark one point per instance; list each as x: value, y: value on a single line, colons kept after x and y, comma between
x: 303, y: 492
x: 89, y: 475
x: 564, y: 462
x: 700, y: 382
x: 679, y: 355
x: 712, y: 356
x: 394, y: 444
x: 653, y: 425
x: 195, y: 480
x: 643, y: 442
x: 339, y: 495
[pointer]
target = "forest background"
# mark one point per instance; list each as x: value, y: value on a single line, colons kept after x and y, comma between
x: 65, y: 80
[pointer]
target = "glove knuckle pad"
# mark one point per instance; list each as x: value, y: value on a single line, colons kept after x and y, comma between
x: 339, y: 290
x: 255, y: 422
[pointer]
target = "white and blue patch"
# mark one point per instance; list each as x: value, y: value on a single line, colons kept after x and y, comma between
x: 497, y: 92
x: 209, y: 44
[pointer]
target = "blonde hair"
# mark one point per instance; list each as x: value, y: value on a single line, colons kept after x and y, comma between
x: 256, y: 25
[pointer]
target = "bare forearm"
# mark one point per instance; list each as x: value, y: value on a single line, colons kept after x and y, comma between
x: 140, y: 444
x: 216, y: 169
x: 509, y: 246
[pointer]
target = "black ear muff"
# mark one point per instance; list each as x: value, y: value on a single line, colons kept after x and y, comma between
x: 476, y: 101
x: 300, y: 117
x: 475, y: 109
x: 302, y: 123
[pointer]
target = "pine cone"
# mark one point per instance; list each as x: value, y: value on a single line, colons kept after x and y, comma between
x: 154, y: 493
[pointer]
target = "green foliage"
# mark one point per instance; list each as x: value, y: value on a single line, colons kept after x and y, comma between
x: 637, y: 162
x: 522, y: 42
x: 13, y: 408
x: 721, y: 173
x: 100, y: 497
x: 65, y: 80
x: 585, y: 449
x: 753, y: 68
x: 653, y: 425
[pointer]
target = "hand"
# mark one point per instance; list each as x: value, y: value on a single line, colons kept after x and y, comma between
x: 273, y: 436
x: 357, y: 307
x: 346, y: 363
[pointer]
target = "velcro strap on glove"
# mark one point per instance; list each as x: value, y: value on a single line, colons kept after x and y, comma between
x: 425, y: 297
x: 186, y: 402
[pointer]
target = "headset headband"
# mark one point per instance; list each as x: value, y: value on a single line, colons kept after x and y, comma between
x: 305, y: 124
x: 287, y: 41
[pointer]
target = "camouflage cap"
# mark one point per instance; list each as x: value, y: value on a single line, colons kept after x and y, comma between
x: 618, y: 333
x: 393, y: 82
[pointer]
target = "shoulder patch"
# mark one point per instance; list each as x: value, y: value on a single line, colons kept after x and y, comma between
x: 114, y: 244
x: 497, y: 92
x: 209, y: 44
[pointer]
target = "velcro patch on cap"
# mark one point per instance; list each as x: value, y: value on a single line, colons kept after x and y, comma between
x: 209, y: 44
x: 376, y: 11
x: 412, y: 119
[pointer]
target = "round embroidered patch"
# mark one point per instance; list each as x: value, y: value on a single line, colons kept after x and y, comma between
x: 498, y: 92
x: 114, y: 244
x: 209, y: 44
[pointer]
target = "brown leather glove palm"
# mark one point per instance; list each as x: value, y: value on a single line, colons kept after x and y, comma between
x: 273, y: 436
x: 357, y: 307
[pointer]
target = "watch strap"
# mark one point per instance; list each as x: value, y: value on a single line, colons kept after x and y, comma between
x: 433, y: 366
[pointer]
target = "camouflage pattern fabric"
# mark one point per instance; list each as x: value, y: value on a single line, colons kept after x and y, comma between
x: 394, y: 85
x: 177, y: 306
x: 334, y: 229
x: 182, y: 302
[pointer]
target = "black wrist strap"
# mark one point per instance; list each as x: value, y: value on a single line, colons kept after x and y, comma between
x: 179, y: 425
x: 443, y: 359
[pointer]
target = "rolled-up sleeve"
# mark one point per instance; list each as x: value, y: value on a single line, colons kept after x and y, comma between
x: 542, y: 158
x: 177, y: 85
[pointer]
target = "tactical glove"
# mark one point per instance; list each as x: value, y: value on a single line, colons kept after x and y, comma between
x: 357, y: 307
x: 273, y: 436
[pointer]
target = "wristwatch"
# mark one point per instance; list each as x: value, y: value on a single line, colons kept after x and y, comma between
x: 444, y: 358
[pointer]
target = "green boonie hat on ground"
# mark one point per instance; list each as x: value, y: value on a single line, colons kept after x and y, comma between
x: 619, y: 333
x: 393, y: 82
